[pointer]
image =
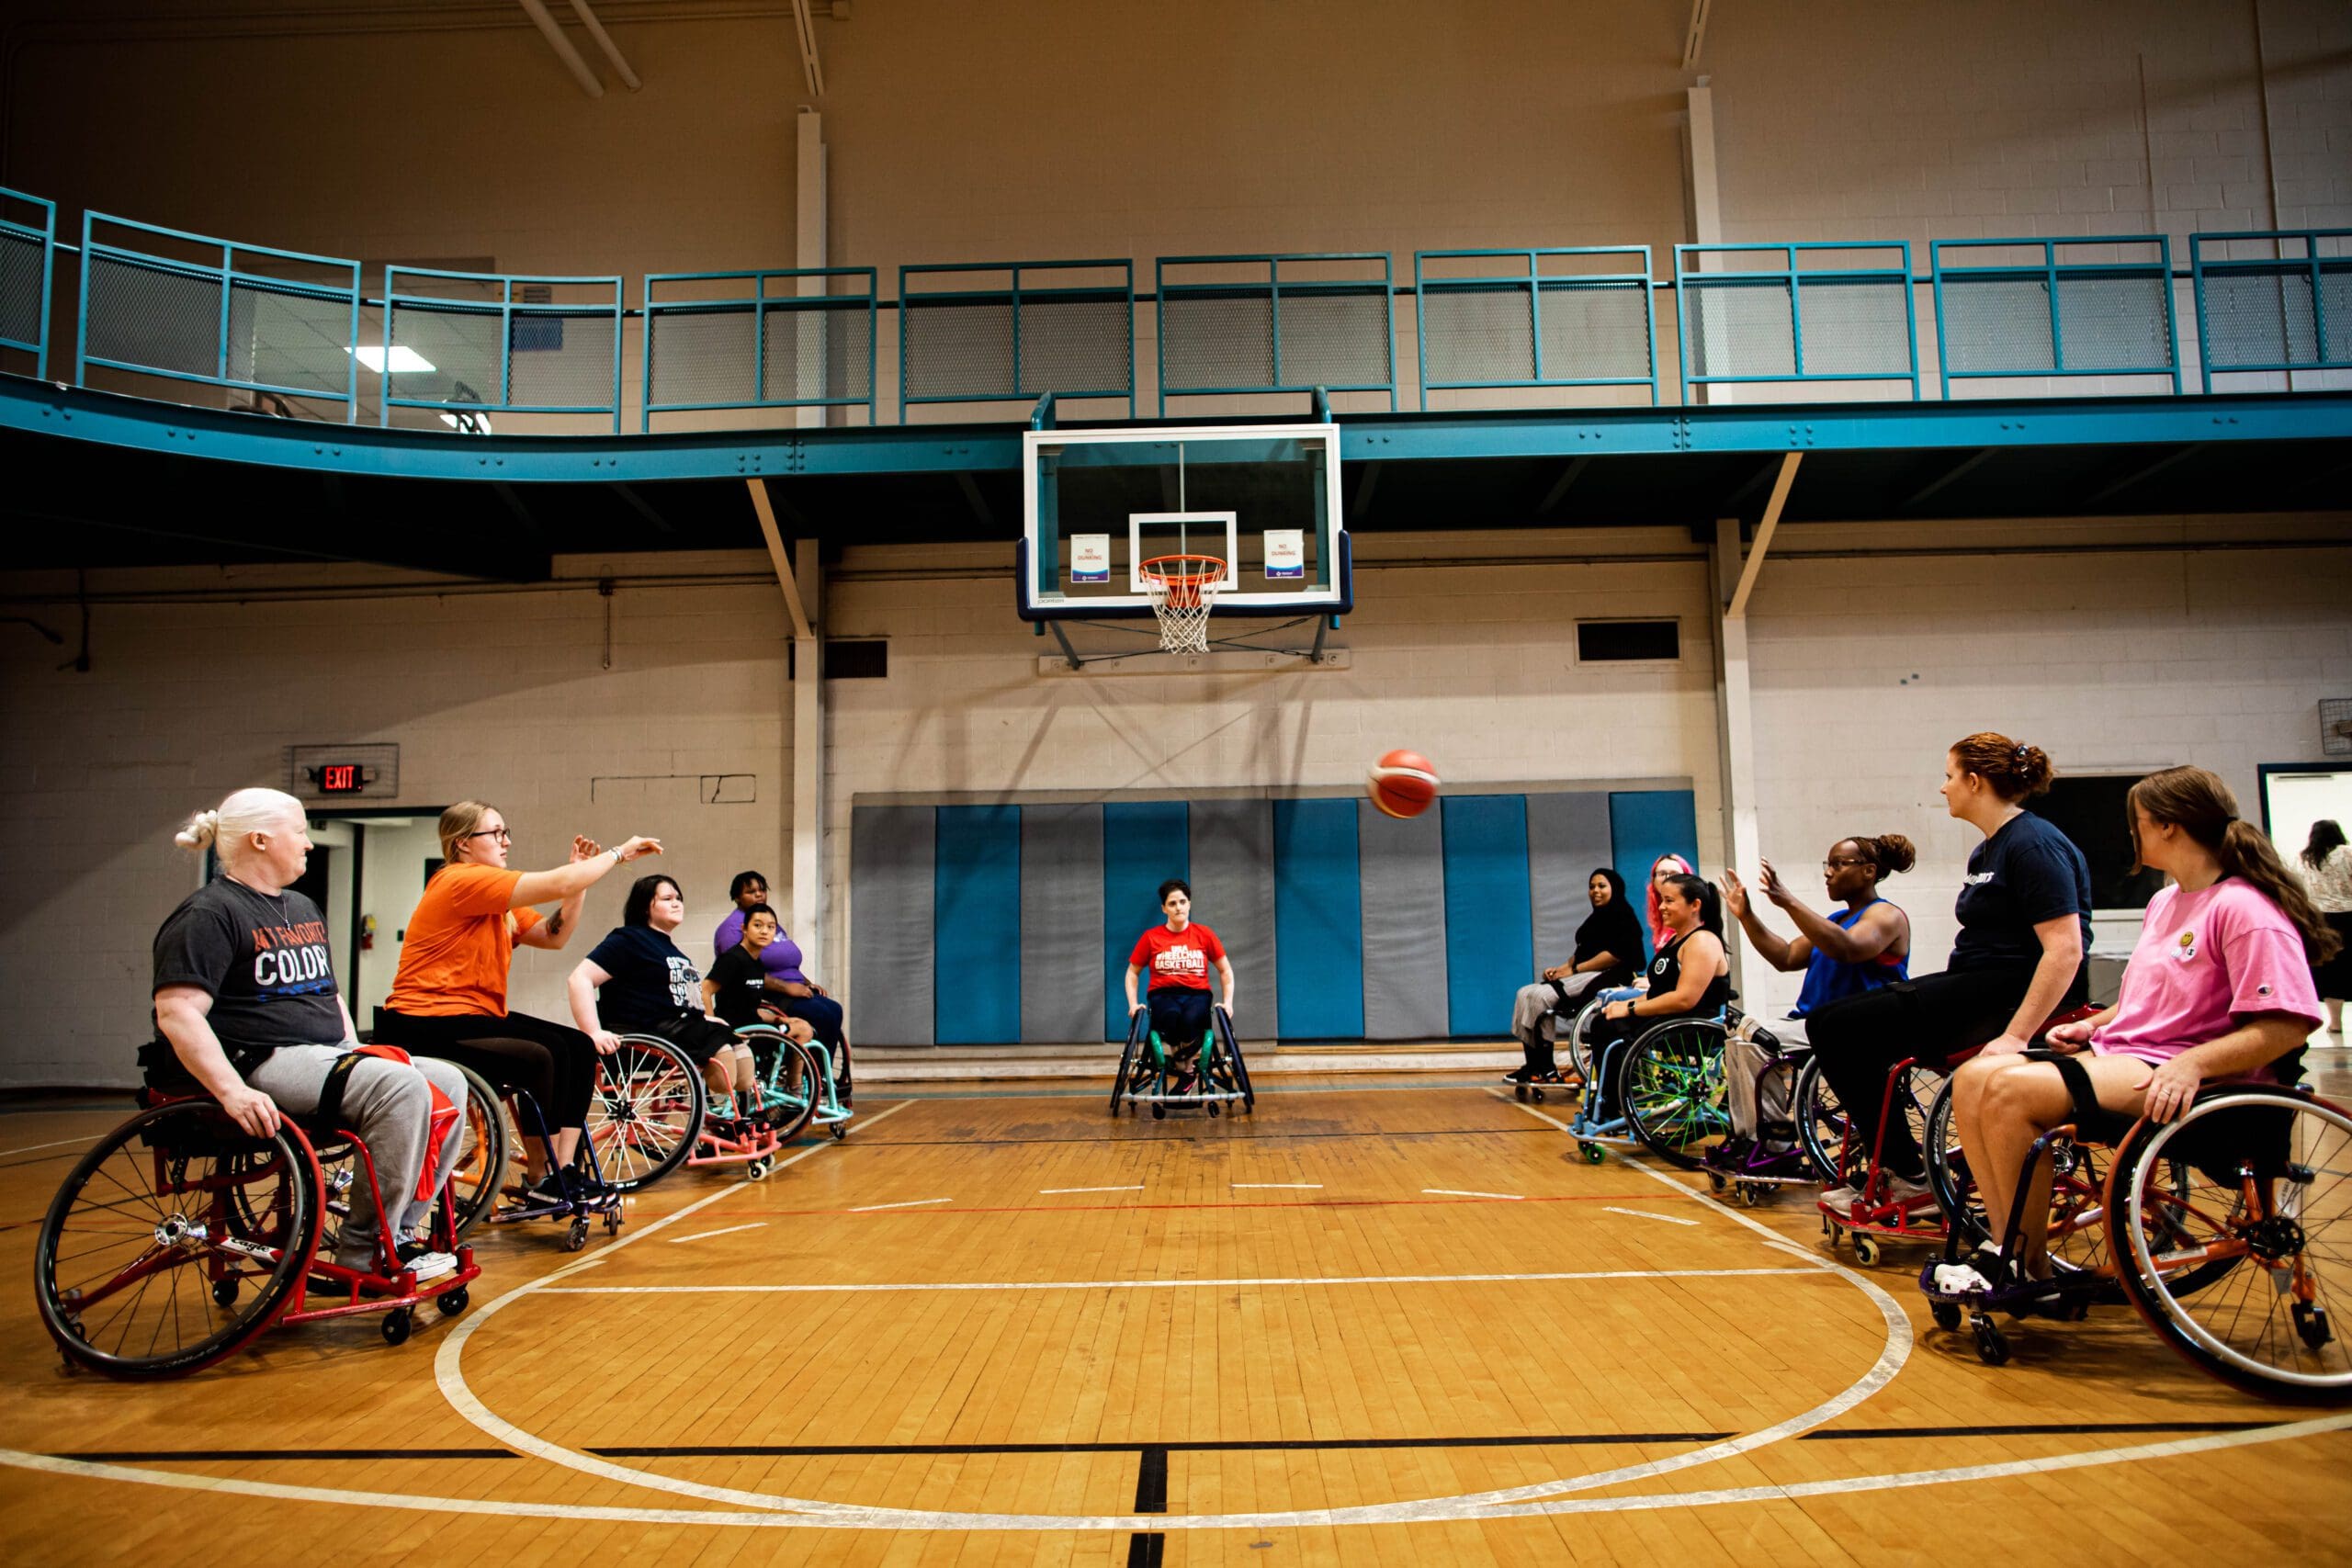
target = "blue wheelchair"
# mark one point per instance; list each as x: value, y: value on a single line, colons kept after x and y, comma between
x: 1663, y: 1089
x: 1152, y: 1071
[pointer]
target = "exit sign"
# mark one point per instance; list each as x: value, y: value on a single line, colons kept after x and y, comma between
x: 350, y: 770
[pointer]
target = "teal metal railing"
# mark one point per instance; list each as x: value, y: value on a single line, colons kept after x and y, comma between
x: 28, y: 254
x: 2046, y: 316
x: 217, y: 312
x: 752, y: 339
x: 1244, y: 332
x: 1016, y: 340
x: 2275, y: 313
x: 468, y: 343
x: 1498, y: 327
x: 1798, y: 321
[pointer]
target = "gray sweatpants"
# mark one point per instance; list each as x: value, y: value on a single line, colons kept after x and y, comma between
x: 390, y: 1107
x: 1531, y: 1014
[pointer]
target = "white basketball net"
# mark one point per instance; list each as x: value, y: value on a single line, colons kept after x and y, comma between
x: 1182, y: 599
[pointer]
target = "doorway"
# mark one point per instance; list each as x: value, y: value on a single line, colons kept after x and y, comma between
x: 367, y: 869
x: 2295, y: 796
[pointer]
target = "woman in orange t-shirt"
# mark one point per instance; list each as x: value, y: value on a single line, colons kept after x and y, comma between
x: 449, y: 997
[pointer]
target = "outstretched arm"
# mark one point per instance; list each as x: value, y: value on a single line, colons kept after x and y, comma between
x: 570, y: 881
x: 1780, y: 954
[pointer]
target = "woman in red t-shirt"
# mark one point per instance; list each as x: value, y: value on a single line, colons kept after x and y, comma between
x: 1179, y: 955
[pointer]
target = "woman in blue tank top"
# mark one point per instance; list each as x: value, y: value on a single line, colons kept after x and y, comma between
x: 1858, y: 949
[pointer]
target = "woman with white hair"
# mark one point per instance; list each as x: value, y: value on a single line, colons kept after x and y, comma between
x: 246, y: 1004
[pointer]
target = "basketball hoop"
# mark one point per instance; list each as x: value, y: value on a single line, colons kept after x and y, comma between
x: 1182, y: 590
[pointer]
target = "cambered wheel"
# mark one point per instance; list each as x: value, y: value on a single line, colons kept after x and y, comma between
x: 1674, y: 1092
x: 135, y: 1254
x: 789, y: 1082
x: 2230, y: 1229
x: 1865, y: 1249
x: 646, y: 1113
x: 1821, y: 1121
x: 482, y: 1149
x: 396, y: 1325
x: 452, y: 1302
x: 1579, y: 1043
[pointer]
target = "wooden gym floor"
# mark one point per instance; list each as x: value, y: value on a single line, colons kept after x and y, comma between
x: 1384, y: 1320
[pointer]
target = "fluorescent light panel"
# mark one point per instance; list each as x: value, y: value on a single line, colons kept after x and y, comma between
x: 406, y: 361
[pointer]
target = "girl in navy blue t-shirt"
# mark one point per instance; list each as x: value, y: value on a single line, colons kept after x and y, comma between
x: 636, y: 981
x: 2024, y: 929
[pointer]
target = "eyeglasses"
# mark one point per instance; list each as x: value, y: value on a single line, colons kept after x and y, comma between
x: 504, y: 835
x: 1834, y: 864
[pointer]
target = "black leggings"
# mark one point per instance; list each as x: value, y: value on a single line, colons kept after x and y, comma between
x: 1181, y: 1014
x: 556, y: 1065
x: 1859, y: 1039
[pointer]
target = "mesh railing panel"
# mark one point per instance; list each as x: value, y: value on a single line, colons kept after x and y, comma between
x: 2116, y: 321
x: 21, y: 305
x: 2261, y: 316
x: 1856, y: 327
x: 1478, y: 332
x: 290, y: 336
x: 1217, y: 338
x: 1335, y: 338
x: 1739, y: 326
x: 1998, y: 323
x: 818, y: 351
x: 1076, y: 343
x: 562, y: 360
x: 1596, y: 331
x: 701, y: 356
x: 153, y: 318
x: 460, y: 341
x: 959, y: 348
x: 2335, y: 295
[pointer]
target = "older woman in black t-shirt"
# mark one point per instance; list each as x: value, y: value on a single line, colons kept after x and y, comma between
x: 2024, y: 929
x: 636, y: 981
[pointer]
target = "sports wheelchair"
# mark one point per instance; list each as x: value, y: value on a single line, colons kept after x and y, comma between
x: 2221, y: 1228
x: 799, y: 1086
x: 1662, y: 1090
x: 1147, y: 1075
x: 1763, y: 1093
x: 180, y: 1237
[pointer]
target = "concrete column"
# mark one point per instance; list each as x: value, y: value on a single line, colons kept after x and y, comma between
x: 809, y: 251
x: 1735, y: 740
x: 808, y: 771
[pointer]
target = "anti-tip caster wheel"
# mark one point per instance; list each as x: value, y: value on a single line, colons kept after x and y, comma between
x: 840, y: 1130
x: 1866, y: 1250
x: 452, y: 1302
x: 1992, y: 1345
x: 2311, y: 1324
x: 1946, y: 1314
x: 1749, y: 1193
x: 224, y: 1293
x: 396, y: 1327
x: 1715, y: 1182
x: 757, y: 1170
x: 1159, y: 1113
x: 613, y: 1221
x: 1593, y: 1153
x: 1536, y: 1095
x: 1518, y: 1091
x: 577, y: 1236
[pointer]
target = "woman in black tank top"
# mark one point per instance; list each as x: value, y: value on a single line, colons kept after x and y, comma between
x: 1690, y: 977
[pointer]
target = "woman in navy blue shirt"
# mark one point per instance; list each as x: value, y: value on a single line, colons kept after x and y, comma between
x: 638, y: 982
x: 2025, y: 927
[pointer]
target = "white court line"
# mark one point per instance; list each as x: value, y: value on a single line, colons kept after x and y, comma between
x: 1171, y: 1284
x: 1053, y: 1192
x: 1288, y: 1186
x: 1456, y: 1192
x: 61, y: 1143
x: 910, y: 1204
x: 1644, y: 1214
x: 702, y: 1236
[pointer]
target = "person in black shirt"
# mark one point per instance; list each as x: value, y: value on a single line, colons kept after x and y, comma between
x: 2024, y: 930
x: 1691, y: 977
x: 638, y: 982
x: 1608, y: 950
x: 246, y: 1008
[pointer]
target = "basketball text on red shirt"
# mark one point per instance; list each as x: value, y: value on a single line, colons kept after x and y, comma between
x: 1177, y: 958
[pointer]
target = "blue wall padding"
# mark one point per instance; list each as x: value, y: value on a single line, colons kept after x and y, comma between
x: 1644, y: 824
x: 1403, y: 863
x: 1490, y: 934
x: 1318, y: 921
x: 1233, y: 894
x: 1567, y: 836
x: 976, y: 999
x: 890, y: 924
x: 1062, y: 922
x: 1145, y: 842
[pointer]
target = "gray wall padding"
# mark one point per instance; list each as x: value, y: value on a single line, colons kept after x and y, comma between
x: 1061, y: 924
x: 1403, y: 865
x: 1233, y: 895
x: 894, y: 851
x: 1568, y: 836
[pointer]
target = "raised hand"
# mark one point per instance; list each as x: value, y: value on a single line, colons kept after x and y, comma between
x: 585, y: 849
x: 1735, y: 895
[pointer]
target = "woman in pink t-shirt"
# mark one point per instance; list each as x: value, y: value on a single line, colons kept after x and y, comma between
x: 2219, y: 987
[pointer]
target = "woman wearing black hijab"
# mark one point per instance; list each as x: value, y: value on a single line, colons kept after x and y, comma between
x: 1608, y: 953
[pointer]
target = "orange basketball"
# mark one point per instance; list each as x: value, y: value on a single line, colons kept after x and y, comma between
x: 1402, y: 783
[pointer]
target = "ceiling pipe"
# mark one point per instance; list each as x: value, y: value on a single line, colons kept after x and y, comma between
x: 604, y: 42
x: 803, y: 24
x: 552, y: 30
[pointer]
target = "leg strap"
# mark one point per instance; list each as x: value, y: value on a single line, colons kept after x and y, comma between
x: 2094, y: 1122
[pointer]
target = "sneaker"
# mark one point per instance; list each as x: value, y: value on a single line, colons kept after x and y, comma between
x: 1904, y: 1190
x: 1518, y: 1075
x: 419, y: 1259
x: 1840, y: 1201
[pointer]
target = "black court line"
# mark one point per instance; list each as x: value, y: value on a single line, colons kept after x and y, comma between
x: 1146, y: 1547
x: 152, y: 1456
x: 1245, y: 1137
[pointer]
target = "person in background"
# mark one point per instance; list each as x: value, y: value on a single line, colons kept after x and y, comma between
x: 2328, y: 871
x: 791, y: 994
x: 1608, y: 950
x: 638, y: 982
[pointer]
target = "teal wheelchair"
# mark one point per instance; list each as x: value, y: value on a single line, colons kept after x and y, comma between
x: 1154, y: 1072
x: 798, y: 1084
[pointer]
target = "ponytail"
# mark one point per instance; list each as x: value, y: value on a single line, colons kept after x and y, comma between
x: 202, y: 830
x: 2201, y: 804
x: 2248, y: 853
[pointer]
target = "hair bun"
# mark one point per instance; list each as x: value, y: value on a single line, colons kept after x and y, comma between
x: 1893, y: 854
x: 200, y: 831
